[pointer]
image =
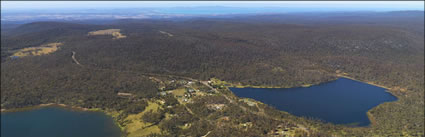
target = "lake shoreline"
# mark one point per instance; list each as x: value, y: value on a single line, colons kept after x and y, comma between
x: 95, y: 113
x: 46, y: 105
x: 370, y: 83
x: 233, y: 85
x: 369, y: 114
x: 73, y: 108
x: 387, y: 89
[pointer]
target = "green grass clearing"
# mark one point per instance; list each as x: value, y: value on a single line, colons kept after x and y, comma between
x: 136, y: 126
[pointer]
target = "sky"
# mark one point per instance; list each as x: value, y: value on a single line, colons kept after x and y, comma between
x: 61, y: 5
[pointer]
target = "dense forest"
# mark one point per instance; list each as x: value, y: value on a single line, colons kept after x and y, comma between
x: 268, y: 50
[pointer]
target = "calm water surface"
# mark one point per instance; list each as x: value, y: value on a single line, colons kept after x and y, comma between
x: 57, y: 122
x: 343, y: 101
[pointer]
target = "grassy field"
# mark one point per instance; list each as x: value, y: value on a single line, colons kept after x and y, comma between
x: 179, y: 92
x: 137, y: 127
x: 38, y: 51
x: 114, y: 32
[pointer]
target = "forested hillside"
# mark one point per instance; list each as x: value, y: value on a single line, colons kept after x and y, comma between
x: 268, y: 50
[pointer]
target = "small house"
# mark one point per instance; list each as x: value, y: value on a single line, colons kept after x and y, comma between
x: 190, y: 90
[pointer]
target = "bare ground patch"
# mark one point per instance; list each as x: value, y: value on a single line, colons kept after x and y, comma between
x: 38, y: 51
x: 114, y: 32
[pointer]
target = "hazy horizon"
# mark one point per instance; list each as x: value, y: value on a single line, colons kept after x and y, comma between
x: 27, y: 11
x: 58, y: 6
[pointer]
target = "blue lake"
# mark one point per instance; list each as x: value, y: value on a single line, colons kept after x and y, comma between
x: 343, y: 101
x: 57, y: 122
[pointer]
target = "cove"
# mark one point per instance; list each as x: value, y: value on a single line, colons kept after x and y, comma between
x: 343, y: 101
x: 57, y: 122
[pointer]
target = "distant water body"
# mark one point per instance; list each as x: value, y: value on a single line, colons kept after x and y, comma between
x: 343, y: 101
x: 57, y: 122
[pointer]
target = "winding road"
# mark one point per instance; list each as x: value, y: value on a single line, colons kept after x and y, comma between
x: 75, y: 60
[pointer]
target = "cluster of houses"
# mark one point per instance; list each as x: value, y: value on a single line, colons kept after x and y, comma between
x: 189, y: 90
x: 215, y: 85
x: 189, y: 94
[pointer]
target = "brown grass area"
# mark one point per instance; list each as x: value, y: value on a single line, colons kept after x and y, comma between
x: 114, y: 32
x: 179, y: 92
x: 38, y: 51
